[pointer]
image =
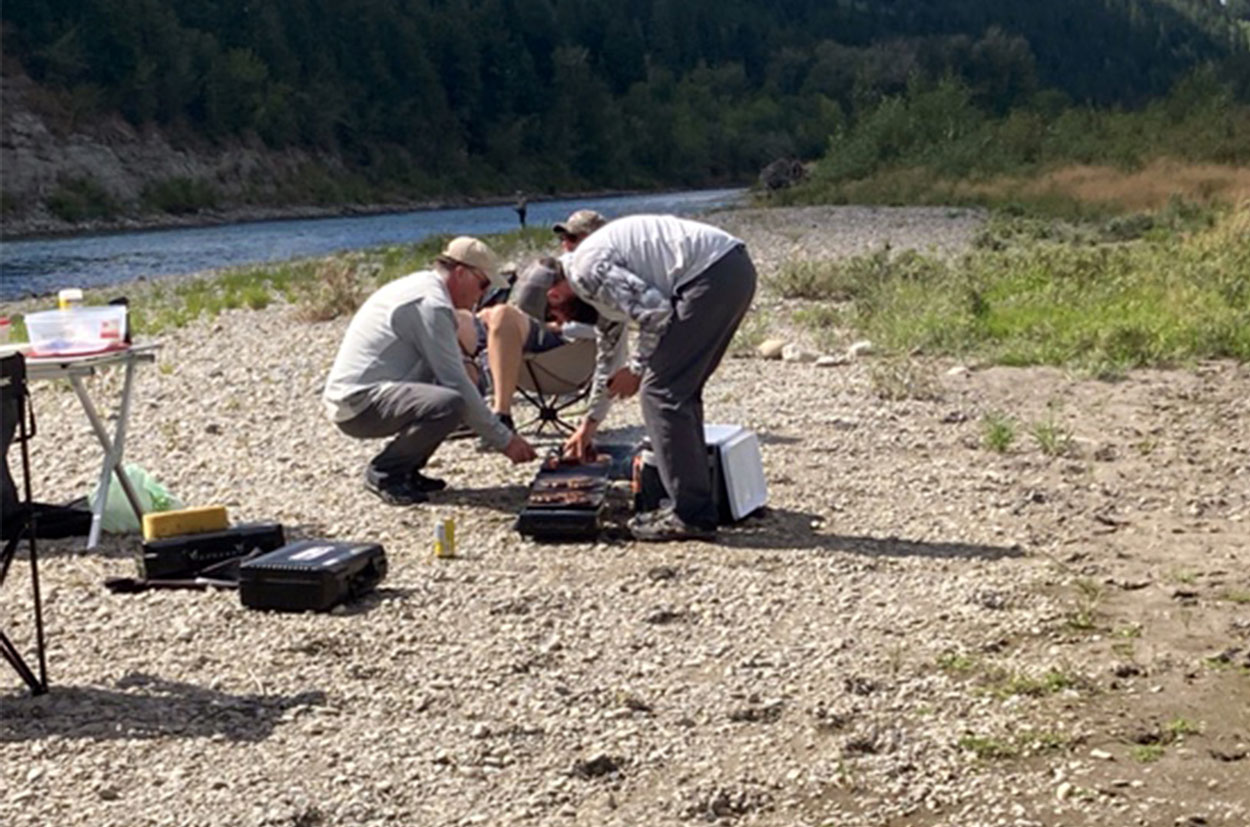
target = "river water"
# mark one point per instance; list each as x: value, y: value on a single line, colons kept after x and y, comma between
x: 43, y: 266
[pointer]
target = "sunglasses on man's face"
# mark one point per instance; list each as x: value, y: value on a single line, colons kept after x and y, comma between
x: 483, y: 281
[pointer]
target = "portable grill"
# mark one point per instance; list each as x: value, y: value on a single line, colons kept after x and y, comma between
x: 565, y: 500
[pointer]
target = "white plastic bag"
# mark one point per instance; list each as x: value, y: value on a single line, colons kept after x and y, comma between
x: 119, y: 517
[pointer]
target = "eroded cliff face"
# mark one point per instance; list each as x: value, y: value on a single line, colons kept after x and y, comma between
x: 110, y: 175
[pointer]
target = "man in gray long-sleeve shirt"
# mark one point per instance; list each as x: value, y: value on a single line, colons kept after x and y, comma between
x: 400, y: 372
x: 687, y: 285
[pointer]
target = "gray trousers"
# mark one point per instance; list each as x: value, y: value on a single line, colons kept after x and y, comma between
x: 706, y: 313
x: 419, y: 415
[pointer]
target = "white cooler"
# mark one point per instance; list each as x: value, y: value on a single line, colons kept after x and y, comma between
x: 737, y: 473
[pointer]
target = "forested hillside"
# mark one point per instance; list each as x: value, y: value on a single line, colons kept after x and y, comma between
x: 406, y: 99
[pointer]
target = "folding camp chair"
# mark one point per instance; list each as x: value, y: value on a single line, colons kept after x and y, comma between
x: 554, y: 381
x: 16, y: 415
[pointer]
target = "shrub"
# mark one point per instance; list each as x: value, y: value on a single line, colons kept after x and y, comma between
x: 899, y: 379
x: 1159, y: 301
x: 337, y: 290
x: 81, y: 199
x: 179, y: 195
x: 807, y: 279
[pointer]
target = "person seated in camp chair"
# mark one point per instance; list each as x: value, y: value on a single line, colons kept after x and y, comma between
x: 400, y: 373
x: 506, y: 332
x: 499, y: 339
x: 687, y: 285
x: 529, y: 292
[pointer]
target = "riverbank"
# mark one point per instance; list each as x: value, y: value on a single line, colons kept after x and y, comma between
x: 49, y: 227
x: 28, y: 228
x: 922, y: 629
x: 41, y: 267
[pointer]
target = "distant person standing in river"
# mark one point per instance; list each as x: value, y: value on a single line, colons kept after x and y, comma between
x: 521, y: 208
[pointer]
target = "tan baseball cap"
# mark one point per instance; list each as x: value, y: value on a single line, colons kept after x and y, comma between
x: 475, y: 253
x: 580, y: 223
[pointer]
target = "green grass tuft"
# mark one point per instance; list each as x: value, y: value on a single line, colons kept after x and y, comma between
x: 1003, y: 684
x: 956, y: 663
x: 1053, y: 439
x: 988, y: 749
x: 1147, y: 753
x: 998, y: 431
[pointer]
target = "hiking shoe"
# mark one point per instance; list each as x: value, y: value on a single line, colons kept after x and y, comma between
x: 403, y: 492
x: 644, y: 517
x: 664, y: 526
x: 423, y: 483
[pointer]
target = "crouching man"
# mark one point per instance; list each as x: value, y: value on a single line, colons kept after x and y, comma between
x: 400, y: 373
x: 687, y: 285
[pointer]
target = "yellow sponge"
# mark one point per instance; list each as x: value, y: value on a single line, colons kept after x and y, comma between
x: 161, y: 524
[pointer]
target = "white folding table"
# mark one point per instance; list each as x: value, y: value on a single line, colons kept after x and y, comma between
x: 74, y: 368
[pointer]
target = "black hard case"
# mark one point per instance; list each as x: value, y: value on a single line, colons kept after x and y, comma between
x: 311, y: 575
x: 191, y: 554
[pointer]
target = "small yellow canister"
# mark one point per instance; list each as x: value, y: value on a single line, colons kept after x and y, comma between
x: 445, y: 538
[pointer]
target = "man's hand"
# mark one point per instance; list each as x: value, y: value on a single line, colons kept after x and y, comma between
x: 624, y: 384
x: 580, y: 444
x: 518, y: 450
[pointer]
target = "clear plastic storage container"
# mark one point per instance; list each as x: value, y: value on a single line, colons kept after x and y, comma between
x: 77, y: 330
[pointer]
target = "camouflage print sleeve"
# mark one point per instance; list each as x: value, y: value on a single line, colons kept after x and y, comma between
x: 612, y: 285
x: 610, y: 338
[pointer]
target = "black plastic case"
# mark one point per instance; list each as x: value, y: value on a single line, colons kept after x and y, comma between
x: 191, y: 554
x: 311, y: 575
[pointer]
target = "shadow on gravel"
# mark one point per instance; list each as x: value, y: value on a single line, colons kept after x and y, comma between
x: 158, y: 709
x: 780, y: 528
x: 111, y: 547
x: 507, y: 498
x: 767, y: 438
x: 368, y: 602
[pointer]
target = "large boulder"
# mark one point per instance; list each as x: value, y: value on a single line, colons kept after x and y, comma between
x: 782, y: 173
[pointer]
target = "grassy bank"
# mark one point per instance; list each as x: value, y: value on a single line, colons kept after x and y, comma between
x: 1074, y: 192
x: 934, y: 145
x: 1145, y: 290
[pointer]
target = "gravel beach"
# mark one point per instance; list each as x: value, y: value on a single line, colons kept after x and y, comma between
x: 916, y: 631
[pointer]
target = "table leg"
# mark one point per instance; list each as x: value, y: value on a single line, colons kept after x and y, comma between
x: 113, y: 451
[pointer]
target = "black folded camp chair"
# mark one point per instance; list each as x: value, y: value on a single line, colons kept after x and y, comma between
x: 554, y: 381
x: 20, y: 518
